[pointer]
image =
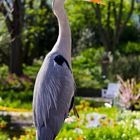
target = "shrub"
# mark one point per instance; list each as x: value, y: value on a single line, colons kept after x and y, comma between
x: 125, y: 66
x: 20, y: 99
x: 130, y: 48
x: 87, y: 68
x: 12, y: 82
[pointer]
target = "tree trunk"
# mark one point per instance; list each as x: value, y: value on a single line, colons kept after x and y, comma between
x: 14, y: 25
x: 16, y: 56
x: 16, y: 44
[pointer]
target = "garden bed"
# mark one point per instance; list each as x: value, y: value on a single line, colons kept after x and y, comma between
x: 94, y: 124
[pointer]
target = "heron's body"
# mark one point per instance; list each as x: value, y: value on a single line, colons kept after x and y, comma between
x: 53, y: 94
x: 54, y: 86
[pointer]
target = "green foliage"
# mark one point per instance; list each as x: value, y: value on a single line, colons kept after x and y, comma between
x: 3, y: 136
x: 3, y: 71
x: 18, y: 91
x: 125, y: 66
x: 131, y: 48
x: 4, y: 120
x: 87, y: 68
x: 32, y: 70
x: 79, y: 13
x: 82, y: 22
x: 105, y: 133
x: 15, y: 99
x: 118, y: 130
x: 131, y: 33
x: 12, y: 82
x: 15, y: 91
x: 113, y: 133
x: 40, y: 32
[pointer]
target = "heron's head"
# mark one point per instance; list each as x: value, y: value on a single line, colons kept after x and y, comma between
x: 57, y: 3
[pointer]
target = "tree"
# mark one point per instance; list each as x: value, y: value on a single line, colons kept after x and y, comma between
x: 116, y: 18
x: 112, y: 19
x: 13, y: 12
x: 33, y: 30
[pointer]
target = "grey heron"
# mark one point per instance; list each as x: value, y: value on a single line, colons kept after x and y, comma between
x: 54, y: 85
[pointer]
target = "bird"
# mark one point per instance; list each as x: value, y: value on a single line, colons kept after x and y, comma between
x: 53, y: 94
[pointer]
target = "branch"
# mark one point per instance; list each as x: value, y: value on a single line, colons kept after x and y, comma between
x: 108, y: 17
x: 7, y: 18
x: 118, y: 23
x: 119, y: 28
x: 119, y: 17
x: 102, y: 32
x: 8, y: 5
x: 114, y: 12
x: 98, y: 15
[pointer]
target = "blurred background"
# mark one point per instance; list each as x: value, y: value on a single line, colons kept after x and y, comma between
x: 105, y: 49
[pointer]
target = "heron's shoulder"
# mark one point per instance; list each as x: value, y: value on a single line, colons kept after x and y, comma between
x: 57, y: 57
x: 48, y: 58
x: 51, y: 55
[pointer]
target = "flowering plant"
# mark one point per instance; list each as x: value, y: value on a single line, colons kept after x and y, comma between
x: 129, y: 93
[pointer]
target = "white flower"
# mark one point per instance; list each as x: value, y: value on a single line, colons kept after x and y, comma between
x: 107, y: 105
x: 137, y: 124
x: 93, y: 119
x: 70, y: 120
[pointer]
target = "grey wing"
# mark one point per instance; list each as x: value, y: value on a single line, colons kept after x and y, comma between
x: 53, y: 91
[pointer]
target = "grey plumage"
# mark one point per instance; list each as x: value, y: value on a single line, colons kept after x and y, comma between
x: 53, y: 91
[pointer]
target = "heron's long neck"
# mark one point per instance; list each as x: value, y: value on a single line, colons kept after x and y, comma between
x: 63, y: 44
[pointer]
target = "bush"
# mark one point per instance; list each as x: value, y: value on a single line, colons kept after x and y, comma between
x: 32, y: 70
x: 125, y: 66
x: 3, y: 136
x: 130, y: 48
x: 22, y: 99
x: 87, y: 68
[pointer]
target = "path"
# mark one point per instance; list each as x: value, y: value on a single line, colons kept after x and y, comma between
x: 19, y: 119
